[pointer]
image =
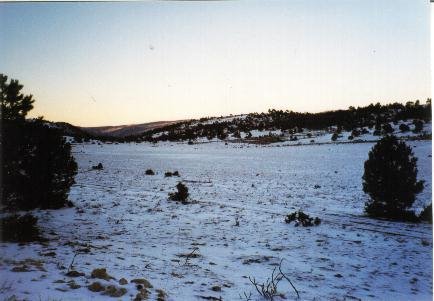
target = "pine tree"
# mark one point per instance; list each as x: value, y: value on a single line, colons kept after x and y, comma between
x: 38, y: 168
x: 14, y: 104
x: 418, y: 126
x: 390, y: 179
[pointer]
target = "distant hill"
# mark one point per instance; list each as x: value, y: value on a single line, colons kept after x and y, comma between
x: 409, y: 119
x: 374, y: 119
x: 127, y: 130
x: 70, y: 130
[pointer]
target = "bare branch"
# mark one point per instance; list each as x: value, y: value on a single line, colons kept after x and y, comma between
x: 269, y: 289
x: 287, y: 279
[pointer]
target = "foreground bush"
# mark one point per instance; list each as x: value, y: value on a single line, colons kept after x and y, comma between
x: 38, y: 168
x: 16, y: 228
x: 390, y: 179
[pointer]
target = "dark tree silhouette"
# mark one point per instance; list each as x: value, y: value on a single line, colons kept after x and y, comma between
x: 418, y: 126
x: 38, y: 168
x: 404, y: 128
x: 390, y: 179
x: 14, y: 104
x: 387, y: 128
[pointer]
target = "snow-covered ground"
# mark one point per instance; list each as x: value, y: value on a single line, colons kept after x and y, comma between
x: 123, y: 222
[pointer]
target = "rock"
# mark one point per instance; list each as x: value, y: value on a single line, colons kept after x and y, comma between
x: 74, y: 274
x: 142, y: 295
x: 123, y: 281
x: 114, y: 291
x: 101, y: 274
x: 22, y: 268
x: 216, y: 288
x: 96, y: 287
x: 425, y: 243
x: 144, y: 282
x: 161, y: 295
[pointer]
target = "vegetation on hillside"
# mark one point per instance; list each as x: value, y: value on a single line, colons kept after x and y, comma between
x: 376, y: 117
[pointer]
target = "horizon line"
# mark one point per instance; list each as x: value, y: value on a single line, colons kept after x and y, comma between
x: 237, y: 114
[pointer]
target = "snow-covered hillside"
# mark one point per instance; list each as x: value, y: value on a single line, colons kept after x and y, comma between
x: 411, y: 119
x: 234, y: 229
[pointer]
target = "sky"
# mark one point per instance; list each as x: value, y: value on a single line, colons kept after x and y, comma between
x: 95, y: 64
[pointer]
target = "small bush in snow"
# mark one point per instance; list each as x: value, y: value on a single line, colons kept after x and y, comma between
x: 170, y: 174
x: 98, y: 167
x: 390, y: 179
x: 335, y: 136
x: 303, y: 219
x: 20, y: 228
x: 404, y: 128
x: 181, y: 195
x: 355, y: 133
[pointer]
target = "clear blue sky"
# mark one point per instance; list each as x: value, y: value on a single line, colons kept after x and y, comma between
x: 121, y: 63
